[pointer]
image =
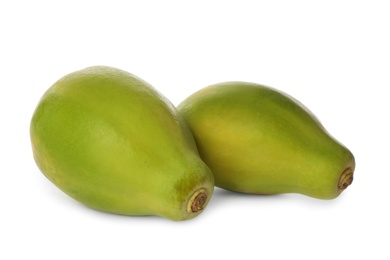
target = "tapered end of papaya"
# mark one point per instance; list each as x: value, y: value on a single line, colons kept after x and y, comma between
x: 346, y: 179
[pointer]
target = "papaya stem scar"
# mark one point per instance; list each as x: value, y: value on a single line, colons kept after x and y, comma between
x: 197, y: 201
x: 346, y: 179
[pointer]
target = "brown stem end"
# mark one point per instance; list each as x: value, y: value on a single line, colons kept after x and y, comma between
x: 197, y: 201
x: 346, y: 179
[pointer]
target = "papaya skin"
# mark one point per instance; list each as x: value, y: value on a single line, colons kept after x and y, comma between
x: 112, y: 142
x: 259, y: 140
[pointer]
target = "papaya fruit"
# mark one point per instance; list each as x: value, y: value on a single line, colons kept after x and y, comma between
x: 111, y: 141
x: 259, y: 140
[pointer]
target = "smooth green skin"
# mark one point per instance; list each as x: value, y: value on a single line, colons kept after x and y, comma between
x: 258, y: 140
x: 111, y: 141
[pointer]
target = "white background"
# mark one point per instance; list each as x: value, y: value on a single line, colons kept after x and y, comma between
x: 333, y: 56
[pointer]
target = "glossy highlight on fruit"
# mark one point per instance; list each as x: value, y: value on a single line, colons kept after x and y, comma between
x: 259, y: 140
x: 111, y: 141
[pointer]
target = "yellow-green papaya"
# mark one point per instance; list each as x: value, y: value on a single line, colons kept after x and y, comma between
x: 114, y: 143
x: 259, y: 140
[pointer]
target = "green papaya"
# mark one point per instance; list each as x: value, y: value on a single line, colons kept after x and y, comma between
x: 259, y: 140
x: 111, y: 141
